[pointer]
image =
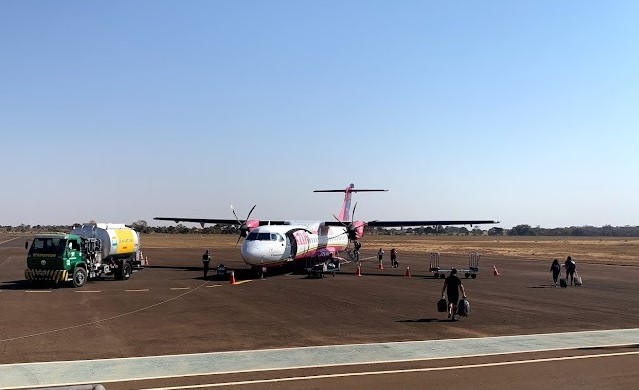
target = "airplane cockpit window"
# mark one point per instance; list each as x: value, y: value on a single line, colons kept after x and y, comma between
x: 262, y: 237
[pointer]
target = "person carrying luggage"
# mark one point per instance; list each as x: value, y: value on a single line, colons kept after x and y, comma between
x: 555, y: 268
x: 571, y: 267
x: 452, y: 286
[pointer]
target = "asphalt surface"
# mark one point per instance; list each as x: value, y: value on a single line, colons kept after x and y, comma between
x: 169, y: 308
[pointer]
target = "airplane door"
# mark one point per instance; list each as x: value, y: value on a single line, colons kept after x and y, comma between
x: 291, y: 244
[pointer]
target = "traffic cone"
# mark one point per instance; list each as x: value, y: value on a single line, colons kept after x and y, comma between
x: 407, y: 272
x: 146, y: 260
x: 495, y: 272
x: 232, y: 279
x: 359, y: 270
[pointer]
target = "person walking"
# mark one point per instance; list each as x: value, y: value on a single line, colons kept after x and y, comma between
x: 394, y: 262
x: 555, y: 268
x: 206, y: 260
x: 452, y: 286
x: 571, y: 267
x: 380, y: 256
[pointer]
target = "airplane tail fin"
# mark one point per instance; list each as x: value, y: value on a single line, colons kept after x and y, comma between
x: 344, y: 214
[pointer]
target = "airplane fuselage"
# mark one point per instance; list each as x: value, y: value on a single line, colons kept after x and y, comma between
x: 272, y: 245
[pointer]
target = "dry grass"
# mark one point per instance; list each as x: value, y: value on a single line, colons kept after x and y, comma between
x: 624, y: 251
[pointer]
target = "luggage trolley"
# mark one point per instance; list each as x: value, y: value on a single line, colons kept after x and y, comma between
x: 470, y: 272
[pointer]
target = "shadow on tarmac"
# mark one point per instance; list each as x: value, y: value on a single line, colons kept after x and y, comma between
x: 543, y: 286
x: 425, y: 320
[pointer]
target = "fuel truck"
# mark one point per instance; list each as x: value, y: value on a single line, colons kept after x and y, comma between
x: 89, y: 251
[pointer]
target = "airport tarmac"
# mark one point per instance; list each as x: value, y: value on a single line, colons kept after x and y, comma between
x: 169, y: 309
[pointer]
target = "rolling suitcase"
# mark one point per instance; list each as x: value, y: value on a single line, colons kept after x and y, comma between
x: 577, y: 280
x: 441, y: 305
x: 563, y: 283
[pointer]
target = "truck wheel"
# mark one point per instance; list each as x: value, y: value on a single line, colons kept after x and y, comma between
x: 79, y: 277
x: 126, y: 270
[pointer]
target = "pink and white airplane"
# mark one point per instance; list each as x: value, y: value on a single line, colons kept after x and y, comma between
x: 273, y: 243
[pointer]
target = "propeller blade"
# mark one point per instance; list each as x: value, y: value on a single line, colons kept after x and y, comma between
x: 250, y: 212
x: 337, y: 219
x: 238, y: 239
x: 353, y: 215
x: 236, y: 218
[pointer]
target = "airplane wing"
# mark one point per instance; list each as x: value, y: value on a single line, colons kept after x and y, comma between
x: 412, y: 223
x: 215, y: 221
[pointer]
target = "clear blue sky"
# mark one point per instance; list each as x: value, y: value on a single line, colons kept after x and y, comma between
x: 518, y: 111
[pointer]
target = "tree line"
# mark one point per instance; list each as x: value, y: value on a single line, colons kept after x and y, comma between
x: 520, y: 230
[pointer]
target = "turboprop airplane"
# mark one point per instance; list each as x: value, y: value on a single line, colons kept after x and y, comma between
x: 271, y: 243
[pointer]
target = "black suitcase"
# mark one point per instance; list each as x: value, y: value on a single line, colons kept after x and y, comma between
x: 563, y: 283
x: 442, y: 306
x: 463, y: 307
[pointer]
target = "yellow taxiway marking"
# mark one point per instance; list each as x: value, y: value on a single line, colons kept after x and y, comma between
x: 140, y: 290
x: 244, y: 281
x: 215, y: 285
x: 37, y: 291
x: 180, y: 288
x: 89, y: 291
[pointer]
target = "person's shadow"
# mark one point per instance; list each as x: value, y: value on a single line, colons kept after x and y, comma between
x: 423, y: 320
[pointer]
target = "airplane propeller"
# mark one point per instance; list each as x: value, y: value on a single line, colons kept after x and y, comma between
x: 351, y: 230
x: 243, y: 227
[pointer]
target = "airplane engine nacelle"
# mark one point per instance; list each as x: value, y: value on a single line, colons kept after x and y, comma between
x: 358, y: 228
x: 252, y: 224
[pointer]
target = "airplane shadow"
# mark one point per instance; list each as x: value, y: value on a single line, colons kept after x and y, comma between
x: 424, y: 320
x: 542, y: 286
x: 29, y: 285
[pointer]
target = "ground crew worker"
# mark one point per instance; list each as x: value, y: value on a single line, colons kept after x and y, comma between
x: 206, y: 259
x: 380, y: 256
x: 394, y: 262
x: 452, y: 286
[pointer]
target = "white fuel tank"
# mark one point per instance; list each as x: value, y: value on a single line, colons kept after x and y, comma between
x: 116, y: 238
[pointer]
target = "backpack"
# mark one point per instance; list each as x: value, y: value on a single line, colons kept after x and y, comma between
x: 463, y: 307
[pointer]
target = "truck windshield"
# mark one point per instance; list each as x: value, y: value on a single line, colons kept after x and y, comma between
x: 48, y: 245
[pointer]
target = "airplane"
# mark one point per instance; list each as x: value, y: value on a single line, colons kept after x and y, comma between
x: 271, y: 243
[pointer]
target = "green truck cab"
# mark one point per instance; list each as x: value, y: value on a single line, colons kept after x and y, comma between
x: 61, y: 257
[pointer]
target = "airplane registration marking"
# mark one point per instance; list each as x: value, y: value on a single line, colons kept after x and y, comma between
x: 403, y: 371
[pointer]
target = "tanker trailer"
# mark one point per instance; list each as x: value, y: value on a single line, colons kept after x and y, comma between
x: 117, y: 248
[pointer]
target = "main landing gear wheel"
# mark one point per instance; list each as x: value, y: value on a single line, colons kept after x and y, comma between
x: 79, y: 277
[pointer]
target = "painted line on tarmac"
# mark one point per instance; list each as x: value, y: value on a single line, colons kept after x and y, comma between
x: 243, y: 281
x: 50, y: 374
x: 13, y: 239
x: 89, y: 291
x: 37, y: 291
x: 404, y: 371
x: 138, y: 290
x: 180, y: 288
x: 215, y: 285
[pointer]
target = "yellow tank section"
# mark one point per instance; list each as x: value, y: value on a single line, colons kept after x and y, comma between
x: 126, y: 241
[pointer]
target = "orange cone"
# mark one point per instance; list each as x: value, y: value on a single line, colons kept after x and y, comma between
x: 407, y: 272
x: 495, y: 272
x: 232, y: 280
x: 146, y: 260
x: 359, y: 270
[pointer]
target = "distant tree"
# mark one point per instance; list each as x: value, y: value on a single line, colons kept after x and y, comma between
x: 140, y: 226
x: 521, y: 230
x: 496, y: 231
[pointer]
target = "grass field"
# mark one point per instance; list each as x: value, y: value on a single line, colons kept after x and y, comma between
x: 604, y: 250
x: 623, y: 251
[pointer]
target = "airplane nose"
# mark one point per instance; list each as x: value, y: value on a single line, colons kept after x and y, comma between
x: 251, y: 253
